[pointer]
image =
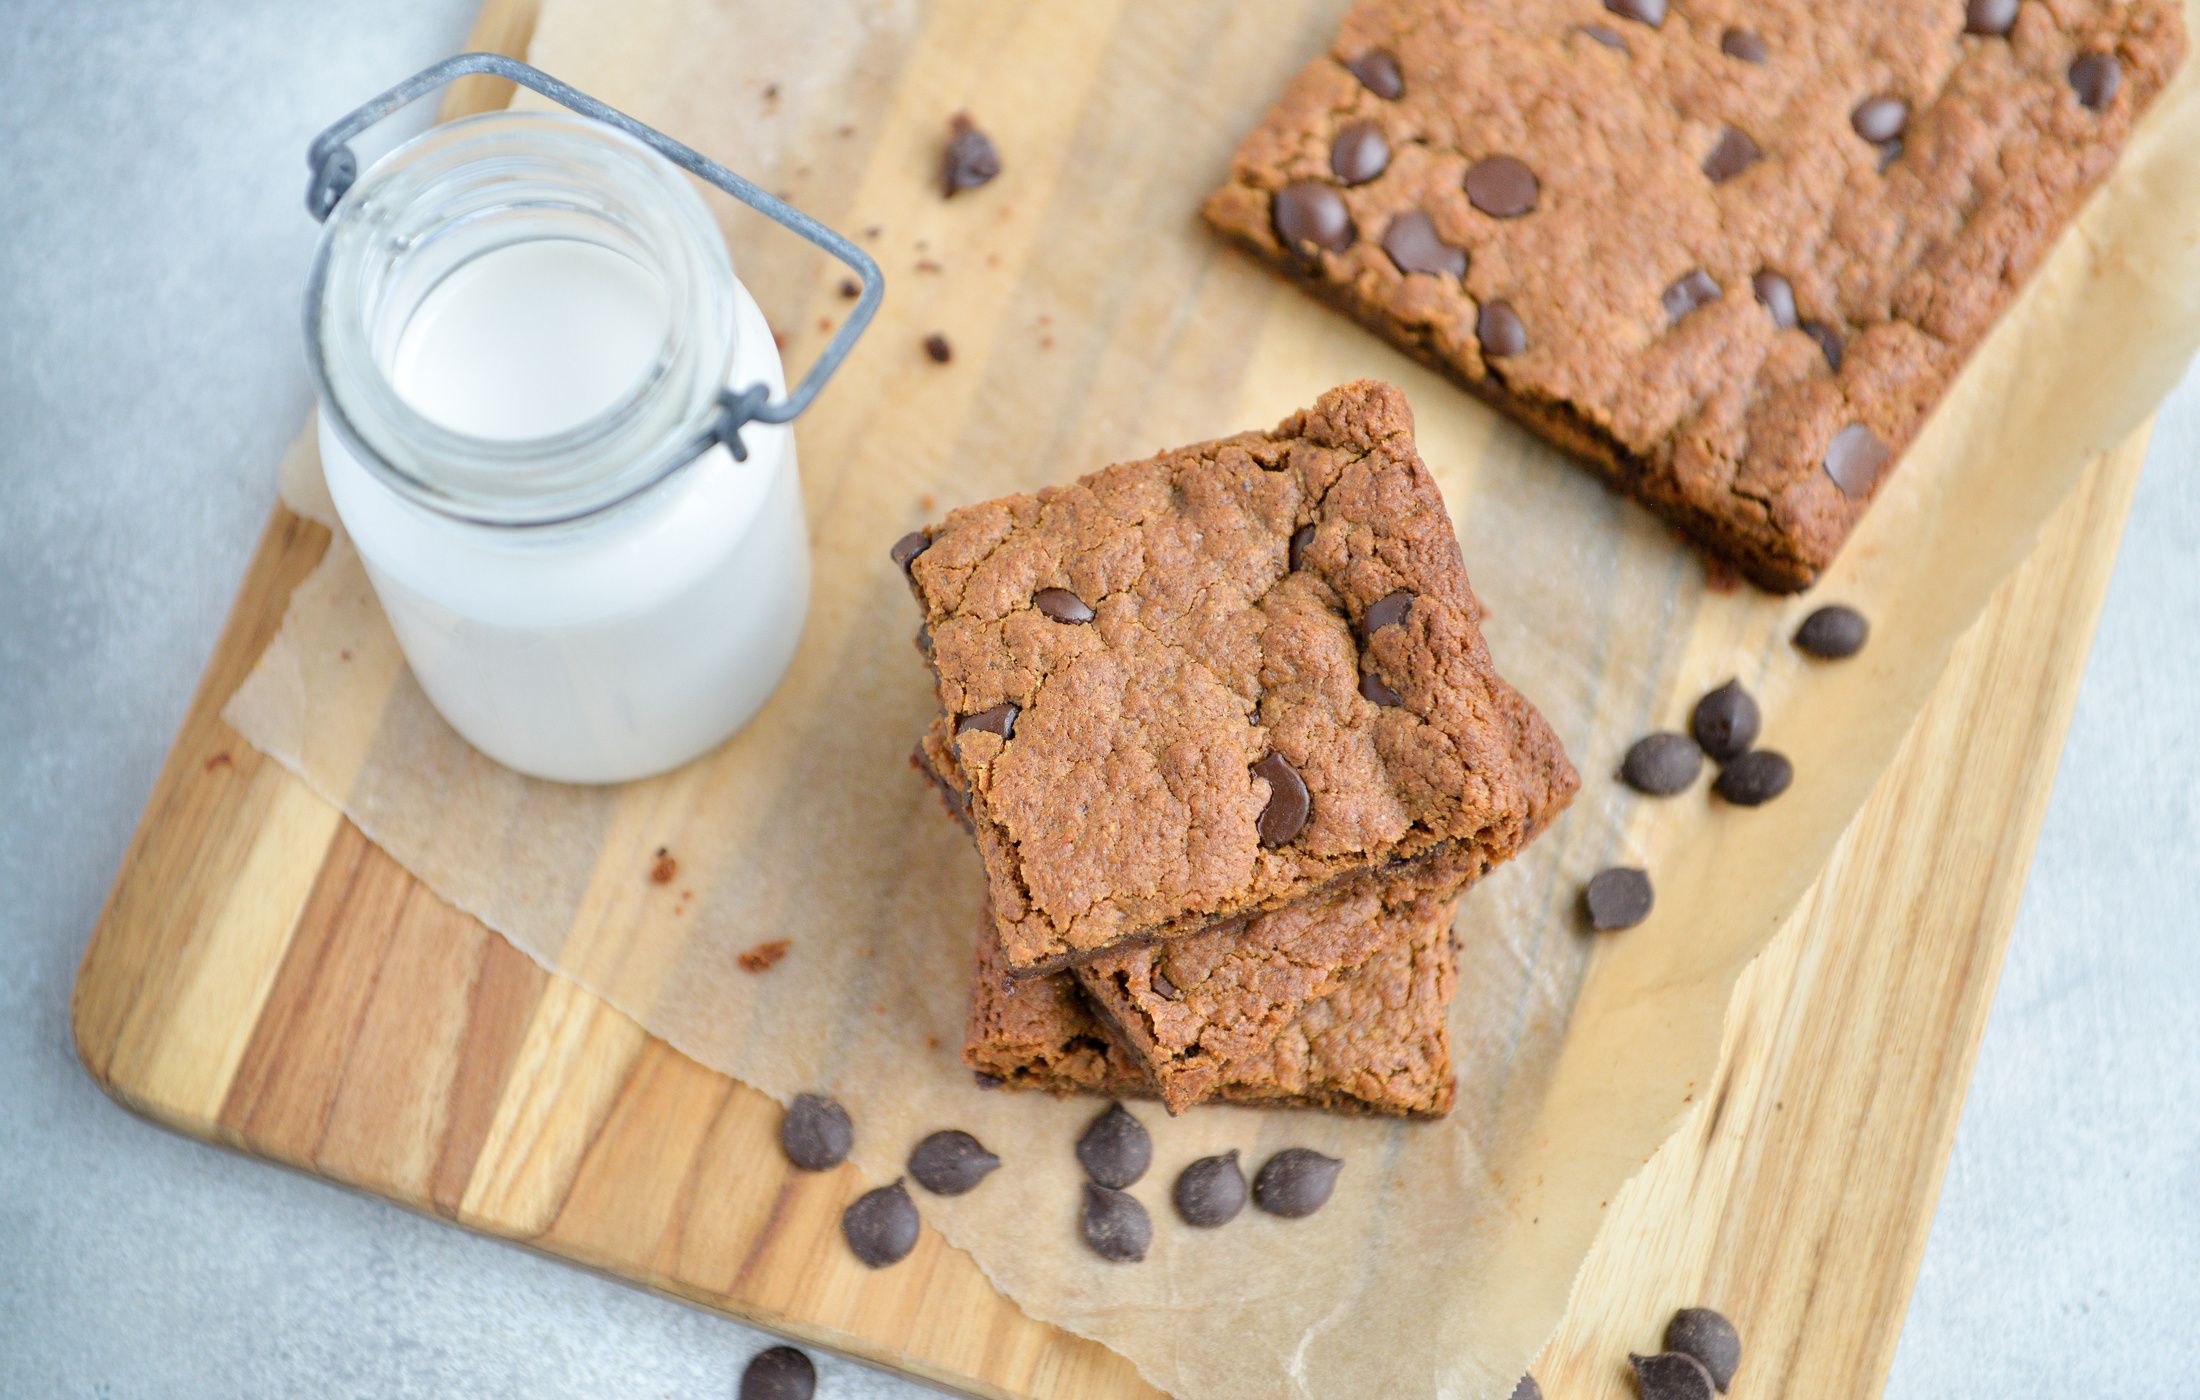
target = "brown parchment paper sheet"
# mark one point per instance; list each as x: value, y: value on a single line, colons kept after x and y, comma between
x: 1093, y: 320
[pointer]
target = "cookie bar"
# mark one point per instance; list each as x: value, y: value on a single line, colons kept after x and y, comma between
x: 1730, y: 255
x: 1215, y: 682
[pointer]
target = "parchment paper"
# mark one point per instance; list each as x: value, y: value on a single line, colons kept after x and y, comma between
x: 1093, y: 320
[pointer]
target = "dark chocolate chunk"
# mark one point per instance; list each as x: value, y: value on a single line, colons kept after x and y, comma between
x: 970, y: 160
x: 1776, y: 296
x: 995, y: 719
x: 1617, y: 898
x: 937, y: 349
x: 1650, y: 12
x: 1880, y: 118
x: 1754, y: 778
x: 1726, y: 721
x: 1359, y: 153
x: 1829, y: 342
x: 1855, y: 458
x: 850, y: 288
x: 1710, y: 1338
x: 1311, y: 215
x: 1500, y: 330
x: 951, y: 1162
x: 2095, y: 78
x: 1116, y: 1226
x: 1990, y: 16
x: 881, y: 1226
x: 1730, y: 155
x: 1061, y: 605
x: 1295, y: 1182
x: 908, y: 547
x: 986, y: 1081
x: 1744, y: 45
x: 1413, y: 244
x: 1378, y: 72
x: 1375, y: 692
x: 1300, y: 539
x: 1833, y: 632
x: 1661, y: 764
x: 779, y: 1373
x: 1390, y: 608
x: 1671, y: 1375
x: 1288, y: 804
x: 1527, y: 1389
x: 1115, y: 1150
x: 1211, y: 1191
x: 815, y: 1133
x: 1610, y: 38
x: 1689, y: 292
x: 1501, y: 187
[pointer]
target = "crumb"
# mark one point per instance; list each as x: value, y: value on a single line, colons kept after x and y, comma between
x: 873, y: 231
x: 929, y: 265
x: 923, y: 244
x: 825, y: 324
x: 344, y: 655
x: 992, y: 259
x: 932, y: 1042
x: 801, y: 172
x: 219, y: 761
x: 970, y: 159
x: 850, y: 288
x: 937, y: 347
x: 845, y: 129
x: 1720, y: 576
x: 1045, y: 320
x: 771, y: 92
x: 927, y: 503
x: 779, y: 341
x: 663, y: 868
x: 763, y: 957
x: 1046, y: 342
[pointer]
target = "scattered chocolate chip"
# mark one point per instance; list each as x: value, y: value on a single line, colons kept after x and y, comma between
x: 780, y: 1373
x: 881, y: 1226
x: 1754, y: 778
x: 1710, y: 1338
x: 1501, y: 187
x: 850, y: 288
x: 1650, y: 12
x: 1375, y: 692
x: 1310, y: 215
x: 1833, y: 632
x: 1671, y: 1375
x: 1390, y: 608
x: 1300, y: 539
x: 1360, y: 153
x: 1116, y: 1226
x: 1990, y: 16
x: 1829, y: 342
x: 1661, y: 764
x: 1527, y: 1389
x: 2095, y: 77
x: 936, y: 346
x: 994, y: 719
x: 951, y: 1162
x: 1288, y: 804
x: 1855, y: 458
x: 1726, y: 721
x: 1211, y: 1191
x: 1610, y: 38
x: 1062, y: 605
x: 1500, y: 330
x: 1776, y: 296
x: 970, y: 160
x: 907, y: 548
x: 763, y: 957
x: 1689, y: 292
x: 1295, y: 1182
x: 986, y: 1081
x: 1617, y: 898
x: 1880, y: 118
x: 1115, y: 1150
x: 1744, y: 45
x: 1414, y: 245
x: 815, y: 1133
x: 1733, y: 153
x: 1378, y: 72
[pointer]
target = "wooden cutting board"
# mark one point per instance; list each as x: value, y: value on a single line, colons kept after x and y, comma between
x: 264, y: 978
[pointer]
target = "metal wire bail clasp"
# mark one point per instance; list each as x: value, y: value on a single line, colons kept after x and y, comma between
x: 335, y: 168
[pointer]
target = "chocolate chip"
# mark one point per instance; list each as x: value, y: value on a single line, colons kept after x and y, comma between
x: 1880, y: 118
x: 1414, y: 245
x: 1310, y: 214
x: 1726, y: 721
x: 1375, y: 692
x: 1390, y: 608
x: 1833, y: 632
x: 970, y: 160
x: 2095, y: 77
x: 1116, y: 1226
x: 1671, y: 1375
x: 1617, y: 898
x: 1829, y: 342
x: 1689, y: 292
x: 1661, y: 764
x: 1742, y: 44
x: 1610, y: 38
x: 923, y: 638
x: 1295, y: 1182
x: 1990, y: 16
x: 986, y: 1081
x: 907, y: 548
x: 779, y: 1373
x: 1285, y: 815
x: 1650, y: 12
x: 1730, y: 155
x: 1359, y: 153
x: 1378, y: 72
x: 1500, y: 330
x: 1061, y: 605
x: 994, y: 719
x: 1115, y: 1150
x: 1211, y: 1191
x: 1776, y: 296
x: 850, y: 288
x: 815, y: 1133
x: 1300, y: 539
x: 937, y: 348
x: 1710, y: 1338
x: 951, y: 1162
x: 1501, y: 187
x: 881, y: 1226
x: 1855, y: 458
x: 1754, y: 778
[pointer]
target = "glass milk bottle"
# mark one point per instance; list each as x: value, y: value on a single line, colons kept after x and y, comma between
x: 544, y: 404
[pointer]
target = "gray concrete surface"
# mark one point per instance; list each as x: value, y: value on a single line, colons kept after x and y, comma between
x: 150, y: 177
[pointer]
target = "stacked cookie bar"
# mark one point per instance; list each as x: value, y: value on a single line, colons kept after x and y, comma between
x: 1223, y: 727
